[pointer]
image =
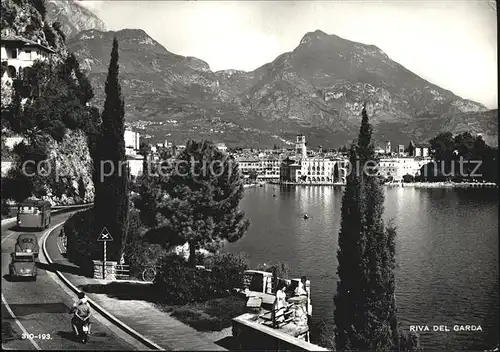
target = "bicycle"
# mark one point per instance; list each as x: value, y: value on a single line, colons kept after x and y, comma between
x: 149, y: 274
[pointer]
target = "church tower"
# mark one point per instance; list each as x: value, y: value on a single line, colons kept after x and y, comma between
x: 300, y: 147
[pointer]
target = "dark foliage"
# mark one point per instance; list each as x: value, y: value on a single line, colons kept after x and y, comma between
x: 178, y: 283
x: 460, y: 158
x: 365, y: 309
x: 227, y: 272
x: 82, y: 246
x: 199, y: 202
x: 111, y: 192
x: 139, y: 254
x: 58, y: 28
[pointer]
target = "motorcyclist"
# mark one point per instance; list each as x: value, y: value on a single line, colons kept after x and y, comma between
x: 80, y: 311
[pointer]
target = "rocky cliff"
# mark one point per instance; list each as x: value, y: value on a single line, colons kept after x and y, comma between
x: 73, y: 17
x: 27, y: 18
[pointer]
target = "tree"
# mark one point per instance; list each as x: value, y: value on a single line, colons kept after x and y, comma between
x: 111, y: 193
x: 411, y: 149
x: 336, y: 172
x: 252, y: 175
x: 196, y: 201
x: 365, y: 309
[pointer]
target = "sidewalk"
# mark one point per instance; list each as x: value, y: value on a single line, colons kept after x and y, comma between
x: 144, y: 317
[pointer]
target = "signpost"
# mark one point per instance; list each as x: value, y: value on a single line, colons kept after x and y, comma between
x: 104, y: 237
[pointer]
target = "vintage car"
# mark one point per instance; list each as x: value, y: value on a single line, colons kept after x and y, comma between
x: 23, y: 265
x: 27, y: 243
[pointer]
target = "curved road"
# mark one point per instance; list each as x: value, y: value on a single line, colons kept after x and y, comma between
x: 41, y: 308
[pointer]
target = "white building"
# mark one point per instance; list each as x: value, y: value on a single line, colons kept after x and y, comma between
x: 11, y: 142
x: 135, y: 164
x: 266, y: 167
x: 131, y: 142
x: 18, y: 53
x: 398, y: 167
x: 222, y: 147
x: 300, y: 147
x: 313, y: 170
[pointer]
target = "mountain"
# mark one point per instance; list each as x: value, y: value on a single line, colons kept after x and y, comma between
x: 317, y: 89
x: 73, y: 17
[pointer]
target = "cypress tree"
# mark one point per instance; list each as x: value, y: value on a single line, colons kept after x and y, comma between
x: 112, y: 198
x: 365, y: 308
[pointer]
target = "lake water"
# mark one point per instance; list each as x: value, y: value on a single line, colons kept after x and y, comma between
x: 447, y: 253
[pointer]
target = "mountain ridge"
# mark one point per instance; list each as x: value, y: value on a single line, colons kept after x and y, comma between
x: 317, y: 89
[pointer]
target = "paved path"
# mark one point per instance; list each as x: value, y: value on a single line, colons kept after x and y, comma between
x: 41, y: 308
x: 117, y: 298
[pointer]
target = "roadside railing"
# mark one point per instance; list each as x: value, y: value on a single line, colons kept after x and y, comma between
x: 122, y: 272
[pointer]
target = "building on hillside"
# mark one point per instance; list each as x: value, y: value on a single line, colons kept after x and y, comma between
x: 421, y: 150
x: 132, y: 143
x: 388, y: 148
x: 135, y: 165
x: 11, y: 142
x: 178, y: 148
x: 222, y: 147
x: 401, y: 150
x: 18, y: 54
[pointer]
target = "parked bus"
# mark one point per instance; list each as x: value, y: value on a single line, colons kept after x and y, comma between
x: 33, y: 214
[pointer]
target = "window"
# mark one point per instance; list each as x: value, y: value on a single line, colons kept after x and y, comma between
x: 14, y: 53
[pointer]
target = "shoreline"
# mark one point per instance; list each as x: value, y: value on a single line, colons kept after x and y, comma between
x: 409, y: 184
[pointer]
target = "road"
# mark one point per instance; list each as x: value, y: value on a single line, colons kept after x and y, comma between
x: 41, y: 308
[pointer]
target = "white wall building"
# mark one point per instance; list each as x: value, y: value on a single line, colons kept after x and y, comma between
x: 11, y: 142
x: 313, y: 170
x: 135, y: 164
x: 131, y: 142
x: 398, y: 167
x: 18, y: 53
x: 222, y: 147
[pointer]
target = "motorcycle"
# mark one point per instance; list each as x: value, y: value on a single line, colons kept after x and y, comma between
x: 83, y: 327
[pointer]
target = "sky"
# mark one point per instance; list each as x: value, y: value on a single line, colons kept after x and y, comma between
x: 452, y: 44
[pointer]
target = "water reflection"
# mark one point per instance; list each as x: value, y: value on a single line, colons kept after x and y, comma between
x: 447, y: 252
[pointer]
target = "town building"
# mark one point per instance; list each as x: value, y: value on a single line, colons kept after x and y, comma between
x: 132, y: 142
x: 395, y: 168
x: 135, y: 165
x: 18, y: 53
x: 265, y: 167
x: 312, y: 170
x: 388, y: 148
x: 222, y: 147
x: 422, y: 150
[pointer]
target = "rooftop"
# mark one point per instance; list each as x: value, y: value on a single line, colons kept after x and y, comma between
x: 21, y: 42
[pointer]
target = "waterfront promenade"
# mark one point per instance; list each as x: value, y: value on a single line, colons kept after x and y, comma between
x: 407, y: 184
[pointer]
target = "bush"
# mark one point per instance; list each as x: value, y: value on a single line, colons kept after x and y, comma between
x: 138, y: 252
x: 227, y: 272
x: 409, y: 342
x: 81, y: 235
x: 408, y: 178
x: 176, y: 283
